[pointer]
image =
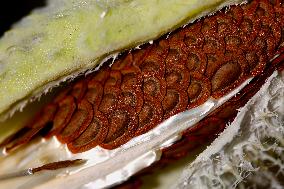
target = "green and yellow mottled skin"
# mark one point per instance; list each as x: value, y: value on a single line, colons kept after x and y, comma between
x: 69, y: 37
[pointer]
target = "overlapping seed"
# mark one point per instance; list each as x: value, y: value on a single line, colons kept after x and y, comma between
x: 144, y: 87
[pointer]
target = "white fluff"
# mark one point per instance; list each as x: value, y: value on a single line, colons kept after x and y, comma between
x: 255, y: 136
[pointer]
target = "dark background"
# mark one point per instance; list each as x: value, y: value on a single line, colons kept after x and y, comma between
x: 12, y: 11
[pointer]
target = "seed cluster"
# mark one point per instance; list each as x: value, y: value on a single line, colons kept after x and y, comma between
x: 175, y: 73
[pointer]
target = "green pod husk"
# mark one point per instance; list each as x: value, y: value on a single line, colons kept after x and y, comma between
x: 66, y: 38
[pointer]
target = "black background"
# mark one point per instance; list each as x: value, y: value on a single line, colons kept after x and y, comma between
x: 12, y: 11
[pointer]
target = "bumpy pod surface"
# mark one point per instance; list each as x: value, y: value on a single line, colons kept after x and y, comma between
x: 143, y: 87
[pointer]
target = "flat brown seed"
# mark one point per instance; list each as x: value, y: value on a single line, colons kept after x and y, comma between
x: 80, y: 120
x: 94, y: 134
x: 63, y: 115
